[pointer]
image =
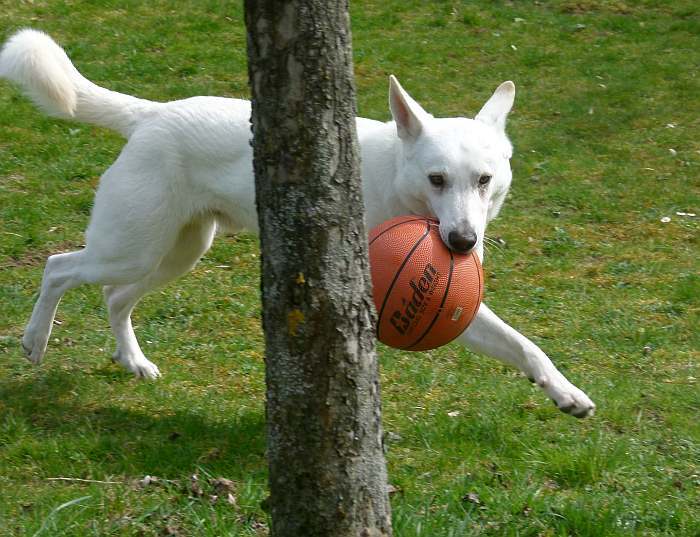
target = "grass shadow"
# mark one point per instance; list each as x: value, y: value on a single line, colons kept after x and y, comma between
x: 46, y: 421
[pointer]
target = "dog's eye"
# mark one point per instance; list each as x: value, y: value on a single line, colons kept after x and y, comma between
x: 484, y: 179
x: 437, y: 179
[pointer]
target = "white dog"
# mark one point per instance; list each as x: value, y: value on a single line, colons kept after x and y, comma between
x: 187, y: 170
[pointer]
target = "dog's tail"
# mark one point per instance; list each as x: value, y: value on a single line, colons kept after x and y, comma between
x: 34, y: 61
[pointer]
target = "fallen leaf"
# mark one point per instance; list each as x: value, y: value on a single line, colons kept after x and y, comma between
x: 221, y: 484
x: 195, y: 487
x: 472, y: 497
x: 149, y: 480
x: 171, y: 531
x: 391, y: 489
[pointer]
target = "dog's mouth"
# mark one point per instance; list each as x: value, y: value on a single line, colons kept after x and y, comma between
x: 460, y: 241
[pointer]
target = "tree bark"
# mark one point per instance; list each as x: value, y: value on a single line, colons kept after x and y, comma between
x: 327, y: 469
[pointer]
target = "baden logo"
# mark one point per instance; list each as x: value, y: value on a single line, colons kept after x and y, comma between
x: 419, y: 295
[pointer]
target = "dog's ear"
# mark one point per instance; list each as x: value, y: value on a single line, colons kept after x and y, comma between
x: 407, y: 113
x: 496, y: 109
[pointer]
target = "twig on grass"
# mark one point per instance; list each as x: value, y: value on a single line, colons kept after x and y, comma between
x: 79, y: 480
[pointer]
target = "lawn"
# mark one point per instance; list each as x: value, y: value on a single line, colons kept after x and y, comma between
x: 586, y: 263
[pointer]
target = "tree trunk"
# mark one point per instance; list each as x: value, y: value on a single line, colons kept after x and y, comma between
x: 327, y: 469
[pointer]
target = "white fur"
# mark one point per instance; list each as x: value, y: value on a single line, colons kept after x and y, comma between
x: 186, y: 169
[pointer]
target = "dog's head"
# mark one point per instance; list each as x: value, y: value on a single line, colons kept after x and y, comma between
x: 455, y: 169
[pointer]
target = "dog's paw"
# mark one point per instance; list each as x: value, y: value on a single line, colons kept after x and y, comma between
x: 138, y: 364
x: 34, y: 346
x: 567, y: 397
x: 146, y: 370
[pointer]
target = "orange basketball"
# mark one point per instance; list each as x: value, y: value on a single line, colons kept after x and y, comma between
x: 425, y: 294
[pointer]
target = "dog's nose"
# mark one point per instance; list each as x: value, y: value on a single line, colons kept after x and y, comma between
x: 461, y: 242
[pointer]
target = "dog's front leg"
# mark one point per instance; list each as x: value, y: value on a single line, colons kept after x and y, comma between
x: 489, y: 335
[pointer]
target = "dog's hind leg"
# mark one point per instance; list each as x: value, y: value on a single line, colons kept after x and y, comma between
x: 112, y: 257
x: 192, y: 242
x: 58, y: 278
x: 63, y: 272
x: 134, y: 225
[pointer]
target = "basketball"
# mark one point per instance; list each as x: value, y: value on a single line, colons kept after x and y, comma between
x: 425, y: 294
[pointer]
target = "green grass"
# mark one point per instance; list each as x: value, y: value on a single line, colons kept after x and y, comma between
x: 605, y: 89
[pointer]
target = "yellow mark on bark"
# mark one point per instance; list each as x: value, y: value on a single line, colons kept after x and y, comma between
x: 300, y: 279
x: 294, y: 319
